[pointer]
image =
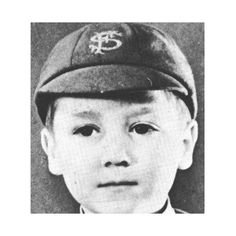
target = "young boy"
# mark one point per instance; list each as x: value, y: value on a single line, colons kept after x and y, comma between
x: 118, y: 102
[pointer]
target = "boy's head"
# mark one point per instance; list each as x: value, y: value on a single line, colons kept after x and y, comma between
x: 120, y: 155
x: 118, y: 103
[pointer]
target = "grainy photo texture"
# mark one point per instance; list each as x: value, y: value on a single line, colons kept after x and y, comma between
x: 117, y: 118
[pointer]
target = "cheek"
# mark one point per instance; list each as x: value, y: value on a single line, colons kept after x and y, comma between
x: 169, y: 154
x: 158, y: 158
x: 79, y: 166
x: 77, y: 161
x: 159, y: 149
x: 76, y: 155
x: 170, y: 146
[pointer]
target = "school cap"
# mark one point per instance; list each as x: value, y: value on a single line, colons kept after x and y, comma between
x: 107, y: 57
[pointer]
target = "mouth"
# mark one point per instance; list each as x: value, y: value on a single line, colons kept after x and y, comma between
x: 118, y: 184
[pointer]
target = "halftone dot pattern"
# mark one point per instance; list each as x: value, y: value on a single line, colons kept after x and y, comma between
x: 48, y: 192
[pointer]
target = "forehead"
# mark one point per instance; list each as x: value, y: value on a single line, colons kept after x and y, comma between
x: 144, y: 103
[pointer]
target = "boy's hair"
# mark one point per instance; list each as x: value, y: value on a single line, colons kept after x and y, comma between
x: 124, y: 97
x: 52, y: 106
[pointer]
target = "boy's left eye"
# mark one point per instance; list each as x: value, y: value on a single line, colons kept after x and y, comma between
x: 142, y: 128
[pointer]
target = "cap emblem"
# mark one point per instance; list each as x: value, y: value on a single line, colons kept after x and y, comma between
x: 104, y: 38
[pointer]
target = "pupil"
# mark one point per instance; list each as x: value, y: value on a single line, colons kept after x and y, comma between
x: 141, y: 129
x: 86, y: 131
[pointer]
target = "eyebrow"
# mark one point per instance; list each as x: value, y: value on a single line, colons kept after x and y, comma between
x: 94, y: 115
x: 142, y: 111
x: 87, y: 115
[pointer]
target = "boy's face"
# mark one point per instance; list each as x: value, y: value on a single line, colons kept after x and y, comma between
x: 118, y: 157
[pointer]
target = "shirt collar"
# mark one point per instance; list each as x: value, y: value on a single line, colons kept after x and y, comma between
x: 169, y: 209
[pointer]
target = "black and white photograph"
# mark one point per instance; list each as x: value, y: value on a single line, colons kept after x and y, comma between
x: 117, y: 117
x: 115, y: 112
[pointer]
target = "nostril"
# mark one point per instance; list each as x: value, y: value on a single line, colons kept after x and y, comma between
x: 107, y: 164
x: 122, y: 163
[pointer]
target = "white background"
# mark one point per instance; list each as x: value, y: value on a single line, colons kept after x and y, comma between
x: 220, y: 132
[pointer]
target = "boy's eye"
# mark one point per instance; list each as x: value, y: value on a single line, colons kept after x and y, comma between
x: 86, y: 130
x: 142, y: 128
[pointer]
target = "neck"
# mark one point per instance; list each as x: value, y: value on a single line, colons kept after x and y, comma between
x: 166, y: 208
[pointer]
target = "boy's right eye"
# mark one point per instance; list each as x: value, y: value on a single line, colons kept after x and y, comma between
x: 86, y: 130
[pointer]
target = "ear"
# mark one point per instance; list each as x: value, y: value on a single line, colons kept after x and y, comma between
x: 189, y: 140
x: 48, y: 144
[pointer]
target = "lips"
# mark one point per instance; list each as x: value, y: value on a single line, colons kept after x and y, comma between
x: 117, y: 184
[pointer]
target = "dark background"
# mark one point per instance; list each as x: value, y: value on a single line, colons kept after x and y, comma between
x: 48, y: 192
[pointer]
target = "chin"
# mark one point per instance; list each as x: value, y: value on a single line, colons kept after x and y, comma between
x: 113, y: 207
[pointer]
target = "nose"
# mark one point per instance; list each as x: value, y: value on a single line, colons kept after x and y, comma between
x: 116, y: 154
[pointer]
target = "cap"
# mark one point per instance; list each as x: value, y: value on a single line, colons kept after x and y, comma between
x: 106, y: 57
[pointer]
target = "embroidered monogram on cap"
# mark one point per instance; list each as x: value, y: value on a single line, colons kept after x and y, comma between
x: 104, y: 38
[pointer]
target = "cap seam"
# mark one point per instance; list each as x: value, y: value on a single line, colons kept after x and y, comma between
x: 79, y: 36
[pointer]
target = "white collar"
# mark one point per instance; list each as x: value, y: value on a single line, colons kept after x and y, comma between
x: 169, y: 208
